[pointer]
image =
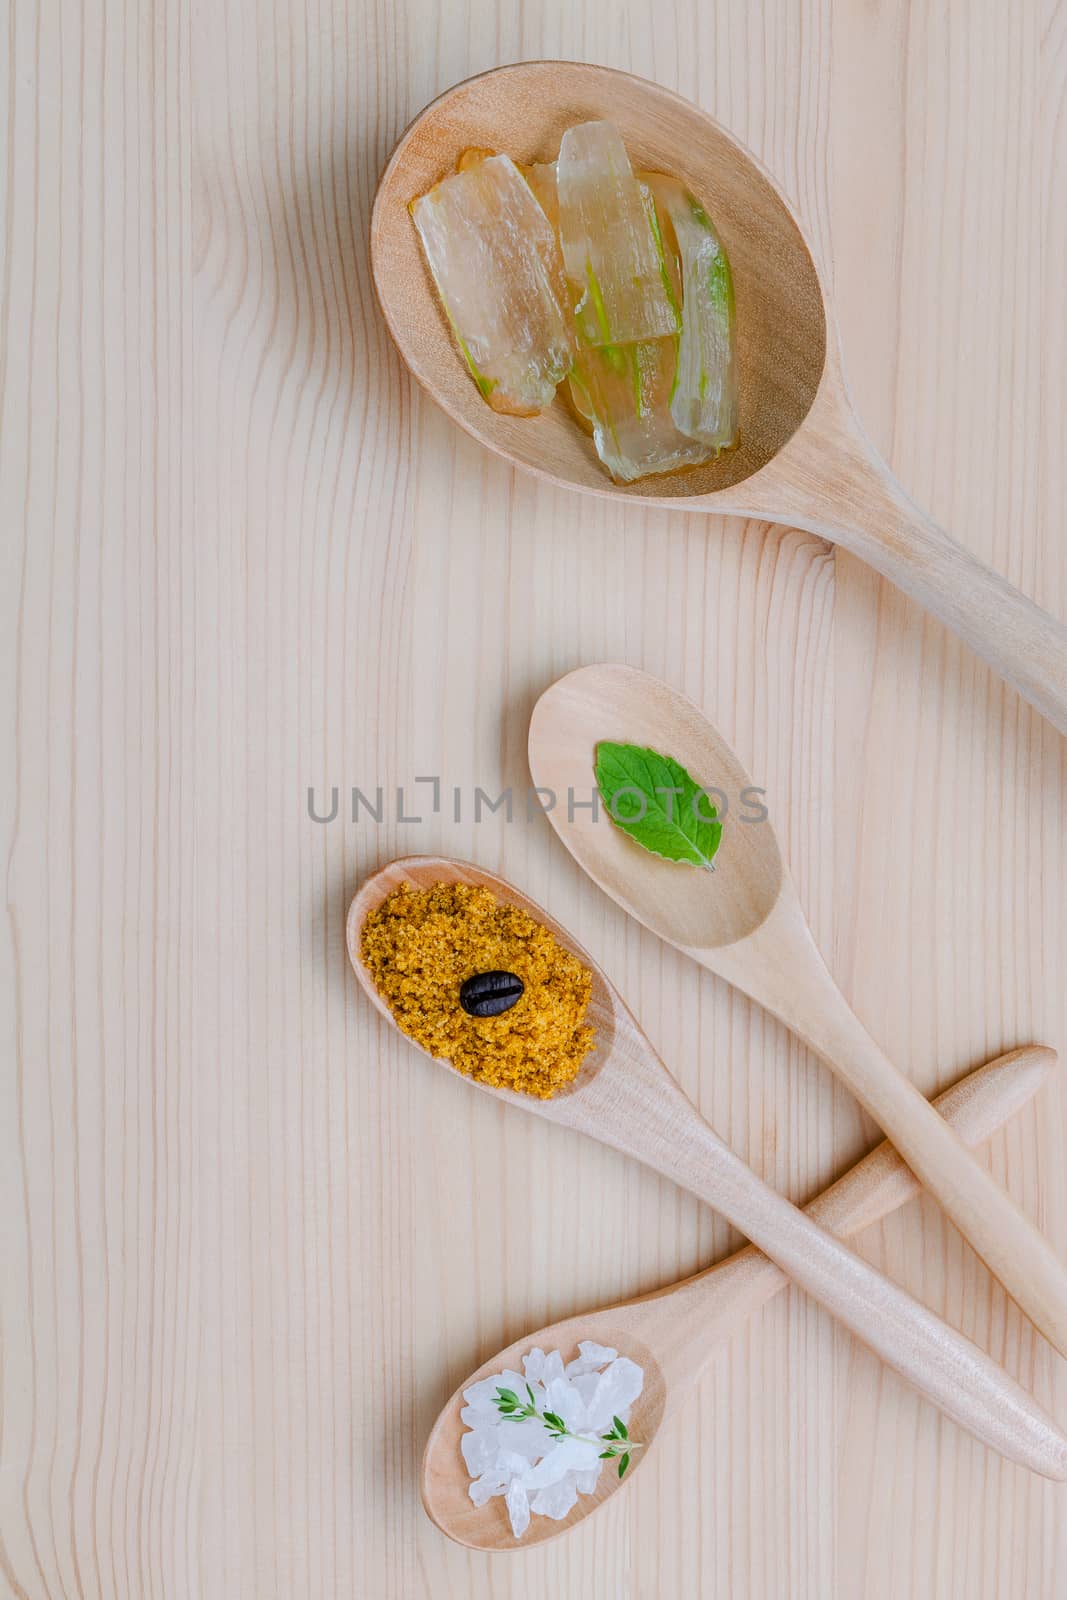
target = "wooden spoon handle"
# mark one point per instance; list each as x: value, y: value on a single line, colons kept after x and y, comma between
x: 647, y: 1116
x: 781, y: 967
x: 948, y: 1368
x: 715, y: 1302
x: 1006, y: 1239
x: 858, y: 503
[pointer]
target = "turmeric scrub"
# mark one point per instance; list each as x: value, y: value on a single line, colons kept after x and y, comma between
x: 423, y: 946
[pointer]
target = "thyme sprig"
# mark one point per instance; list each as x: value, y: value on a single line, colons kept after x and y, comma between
x: 618, y: 1441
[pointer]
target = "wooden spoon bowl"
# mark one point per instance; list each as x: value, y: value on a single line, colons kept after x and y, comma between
x: 606, y: 1013
x: 803, y: 457
x: 524, y: 111
x: 444, y: 1480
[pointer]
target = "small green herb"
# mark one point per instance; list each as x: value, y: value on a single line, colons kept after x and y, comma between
x: 619, y: 1444
x: 653, y: 799
x: 617, y: 1439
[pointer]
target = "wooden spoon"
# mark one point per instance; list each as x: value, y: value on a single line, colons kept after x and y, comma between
x: 804, y: 458
x: 625, y: 1097
x: 744, y: 922
x: 680, y: 1328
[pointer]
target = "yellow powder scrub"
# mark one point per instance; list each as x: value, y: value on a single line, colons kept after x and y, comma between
x: 423, y: 948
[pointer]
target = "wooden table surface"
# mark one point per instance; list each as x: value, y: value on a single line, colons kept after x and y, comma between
x: 251, y: 1241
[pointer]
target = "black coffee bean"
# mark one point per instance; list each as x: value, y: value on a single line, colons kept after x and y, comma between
x: 489, y: 994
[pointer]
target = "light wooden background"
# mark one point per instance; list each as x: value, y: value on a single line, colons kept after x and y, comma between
x: 250, y: 1241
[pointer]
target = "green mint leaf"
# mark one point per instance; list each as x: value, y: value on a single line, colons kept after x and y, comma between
x: 623, y: 1464
x: 653, y: 799
x: 620, y: 1427
x: 530, y: 1392
x: 605, y: 1455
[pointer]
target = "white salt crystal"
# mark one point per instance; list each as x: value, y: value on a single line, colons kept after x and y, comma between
x: 567, y: 1404
x: 552, y: 1369
x: 557, y: 1499
x: 619, y: 1386
x: 533, y: 1365
x: 480, y: 1450
x: 567, y: 1455
x: 529, y: 1438
x: 585, y: 1385
x: 518, y: 1504
x: 480, y: 1395
x: 489, y: 1484
x: 590, y: 1358
x: 523, y: 1459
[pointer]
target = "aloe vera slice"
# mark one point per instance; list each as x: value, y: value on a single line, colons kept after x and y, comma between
x: 704, y: 401
x: 623, y: 391
x: 612, y: 251
x: 496, y: 263
x: 542, y: 180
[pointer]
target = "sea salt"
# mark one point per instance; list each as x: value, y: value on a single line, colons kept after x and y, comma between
x: 537, y: 1473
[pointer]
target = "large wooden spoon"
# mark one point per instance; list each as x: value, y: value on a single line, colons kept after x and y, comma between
x: 744, y: 921
x: 626, y: 1098
x: 804, y: 458
x: 675, y: 1332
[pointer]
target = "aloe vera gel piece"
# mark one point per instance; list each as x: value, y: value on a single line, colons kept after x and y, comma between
x: 704, y: 401
x: 612, y: 251
x: 542, y: 180
x: 623, y: 391
x: 496, y: 263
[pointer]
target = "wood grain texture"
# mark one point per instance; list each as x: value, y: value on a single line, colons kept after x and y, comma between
x: 242, y: 1270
